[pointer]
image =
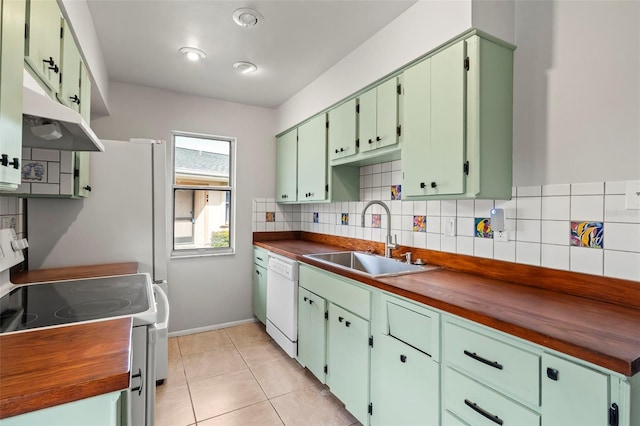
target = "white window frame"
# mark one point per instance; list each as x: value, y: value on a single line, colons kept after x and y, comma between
x: 205, y: 251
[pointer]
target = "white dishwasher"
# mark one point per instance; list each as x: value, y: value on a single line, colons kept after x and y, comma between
x: 282, y: 302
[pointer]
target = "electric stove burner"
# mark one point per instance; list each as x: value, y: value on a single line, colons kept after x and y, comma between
x: 92, y: 309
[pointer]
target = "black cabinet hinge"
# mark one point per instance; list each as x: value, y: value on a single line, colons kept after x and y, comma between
x: 60, y: 78
x: 358, y: 108
x: 327, y: 124
x: 370, y: 409
x: 399, y: 130
x: 614, y: 417
x: 76, y: 172
x: 61, y: 32
x: 466, y: 63
x: 326, y: 315
x: 465, y: 168
x: 326, y: 369
x: 399, y: 89
x: 357, y: 143
x: 26, y: 31
x: 326, y: 188
x: 371, y: 341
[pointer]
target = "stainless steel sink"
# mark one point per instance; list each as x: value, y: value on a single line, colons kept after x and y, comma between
x: 369, y: 264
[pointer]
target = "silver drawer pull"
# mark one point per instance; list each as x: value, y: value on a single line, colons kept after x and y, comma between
x: 494, y: 364
x: 483, y: 412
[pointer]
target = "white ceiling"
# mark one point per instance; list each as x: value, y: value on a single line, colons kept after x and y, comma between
x: 295, y: 43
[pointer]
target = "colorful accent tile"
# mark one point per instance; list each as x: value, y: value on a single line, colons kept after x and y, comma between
x: 587, y: 234
x: 419, y: 224
x: 345, y: 218
x: 483, y: 227
x: 396, y: 192
x: 376, y: 221
x: 34, y: 171
x: 316, y: 217
x: 270, y: 217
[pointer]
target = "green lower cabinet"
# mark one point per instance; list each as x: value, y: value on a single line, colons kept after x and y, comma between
x: 312, y: 332
x: 573, y: 394
x: 348, y: 361
x: 260, y: 293
x: 405, y: 385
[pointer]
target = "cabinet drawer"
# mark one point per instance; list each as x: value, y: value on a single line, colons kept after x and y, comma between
x: 481, y: 406
x: 493, y: 362
x: 260, y: 257
x: 449, y: 419
x: 336, y: 289
x: 419, y: 330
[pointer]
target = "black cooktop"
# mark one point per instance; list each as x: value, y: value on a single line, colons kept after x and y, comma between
x: 64, y: 302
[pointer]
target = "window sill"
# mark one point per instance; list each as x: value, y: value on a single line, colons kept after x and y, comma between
x: 204, y: 253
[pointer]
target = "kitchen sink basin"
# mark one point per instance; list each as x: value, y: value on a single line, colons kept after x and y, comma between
x: 369, y: 264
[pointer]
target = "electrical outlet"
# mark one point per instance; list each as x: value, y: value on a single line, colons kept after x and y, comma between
x: 502, y: 236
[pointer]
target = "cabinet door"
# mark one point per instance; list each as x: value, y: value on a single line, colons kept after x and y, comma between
x: 81, y: 174
x: 85, y: 93
x: 342, y: 130
x: 312, y: 332
x: 348, y: 360
x: 573, y: 394
x: 405, y: 384
x: 387, y: 113
x: 137, y: 400
x: 287, y: 166
x: 312, y: 159
x: 447, y: 148
x: 260, y: 293
x: 70, y: 79
x: 367, y: 120
x: 11, y: 66
x: 417, y: 125
x: 43, y: 41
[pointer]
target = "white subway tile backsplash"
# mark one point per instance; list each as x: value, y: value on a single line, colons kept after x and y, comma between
x: 407, y: 223
x: 385, y: 167
x: 587, y: 260
x: 560, y: 189
x: 407, y: 207
x: 556, y: 257
x: 448, y: 208
x: 622, y: 236
x: 465, y: 208
x: 528, y: 253
x: 596, y: 188
x: 621, y: 264
x: 433, y: 224
x: 529, y: 208
x: 433, y: 208
x: 614, y: 210
x: 529, y: 191
x: 45, y: 154
x: 447, y: 243
x: 504, y: 251
x: 556, y: 232
x: 464, y: 245
x: 556, y: 208
x: 420, y: 240
x: 528, y: 230
x: 420, y: 208
x: 433, y: 241
x: 615, y: 187
x: 483, y: 247
x: 587, y: 207
x: 46, y: 188
x: 483, y: 208
x: 466, y: 226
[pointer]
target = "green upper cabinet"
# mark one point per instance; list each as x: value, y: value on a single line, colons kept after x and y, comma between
x: 81, y: 186
x: 378, y: 116
x: 69, y: 94
x: 11, y: 54
x: 312, y: 159
x: 42, y: 49
x: 287, y: 167
x: 85, y: 93
x: 458, y: 122
x: 343, y: 130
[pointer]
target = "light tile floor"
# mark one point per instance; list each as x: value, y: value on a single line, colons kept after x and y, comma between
x: 239, y: 376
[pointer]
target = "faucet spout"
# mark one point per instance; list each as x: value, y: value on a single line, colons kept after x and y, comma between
x: 390, y: 244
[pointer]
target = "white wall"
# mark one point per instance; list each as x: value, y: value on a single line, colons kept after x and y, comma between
x: 208, y: 290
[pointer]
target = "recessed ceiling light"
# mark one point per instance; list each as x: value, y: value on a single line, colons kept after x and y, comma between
x: 246, y: 17
x: 192, y: 53
x: 245, y: 67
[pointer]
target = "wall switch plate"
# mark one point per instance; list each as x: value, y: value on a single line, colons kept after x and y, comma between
x: 632, y: 195
x: 502, y: 236
x: 450, y: 227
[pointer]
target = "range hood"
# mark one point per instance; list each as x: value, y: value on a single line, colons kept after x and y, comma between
x: 48, y: 124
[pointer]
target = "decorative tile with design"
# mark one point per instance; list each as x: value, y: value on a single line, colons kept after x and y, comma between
x: 345, y: 218
x: 316, y: 217
x: 376, y: 220
x: 483, y: 227
x: 419, y: 224
x: 396, y: 192
x: 34, y: 171
x: 270, y: 216
x: 587, y: 234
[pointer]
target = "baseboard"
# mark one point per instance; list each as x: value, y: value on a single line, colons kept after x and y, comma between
x: 210, y: 327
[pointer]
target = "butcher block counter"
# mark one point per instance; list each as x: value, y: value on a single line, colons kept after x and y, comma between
x: 45, y: 367
x: 593, y: 318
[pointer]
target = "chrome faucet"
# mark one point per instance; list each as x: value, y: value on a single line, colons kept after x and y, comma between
x: 389, y: 244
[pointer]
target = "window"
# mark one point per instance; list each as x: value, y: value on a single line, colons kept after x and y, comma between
x: 203, y: 199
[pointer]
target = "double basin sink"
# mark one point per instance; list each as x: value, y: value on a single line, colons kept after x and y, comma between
x: 369, y: 264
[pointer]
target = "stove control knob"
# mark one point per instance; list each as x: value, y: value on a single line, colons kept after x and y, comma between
x: 20, y: 244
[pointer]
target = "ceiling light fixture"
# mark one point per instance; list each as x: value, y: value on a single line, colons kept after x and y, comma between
x: 245, y: 67
x: 192, y: 53
x: 246, y: 17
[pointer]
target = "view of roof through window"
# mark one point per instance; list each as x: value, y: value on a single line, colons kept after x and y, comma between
x: 201, y: 161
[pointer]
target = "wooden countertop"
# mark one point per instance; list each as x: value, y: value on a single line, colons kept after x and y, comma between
x: 43, y: 368
x: 74, y: 272
x: 572, y: 313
